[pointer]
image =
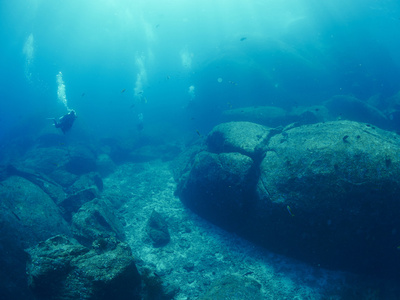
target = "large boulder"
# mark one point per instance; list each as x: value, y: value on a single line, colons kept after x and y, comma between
x: 351, y: 108
x: 27, y: 216
x: 271, y: 116
x: 243, y: 137
x: 219, y: 181
x: 61, y: 268
x: 50, y: 187
x: 96, y: 220
x: 327, y: 193
x: 219, y: 186
x: 85, y: 189
x: 63, y: 164
x: 49, y: 161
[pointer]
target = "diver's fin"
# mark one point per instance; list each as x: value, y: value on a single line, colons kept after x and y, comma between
x: 54, y: 120
x: 56, y: 124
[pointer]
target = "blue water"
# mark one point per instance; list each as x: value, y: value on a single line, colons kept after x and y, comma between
x: 162, y: 72
x: 169, y: 68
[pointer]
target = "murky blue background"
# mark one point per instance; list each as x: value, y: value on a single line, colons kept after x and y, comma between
x: 172, y: 67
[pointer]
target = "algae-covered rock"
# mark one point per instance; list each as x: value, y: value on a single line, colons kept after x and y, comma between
x: 27, y: 216
x: 243, y: 137
x: 157, y: 229
x: 266, y: 115
x: 332, y: 191
x: 62, y: 163
x: 219, y: 186
x: 50, y: 263
x: 49, y: 161
x: 86, y: 188
x: 327, y: 193
x: 182, y: 164
x: 61, y: 268
x: 96, y: 219
x: 72, y: 203
x: 338, y: 154
x: 45, y: 160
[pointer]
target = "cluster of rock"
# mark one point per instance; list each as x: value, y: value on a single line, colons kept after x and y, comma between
x: 60, y: 238
x: 61, y: 268
x: 74, y: 242
x: 327, y: 193
x: 324, y: 192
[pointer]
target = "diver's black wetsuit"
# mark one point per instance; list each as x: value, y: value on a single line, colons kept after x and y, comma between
x: 66, y: 121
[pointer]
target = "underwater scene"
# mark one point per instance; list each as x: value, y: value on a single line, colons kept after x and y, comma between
x: 176, y: 149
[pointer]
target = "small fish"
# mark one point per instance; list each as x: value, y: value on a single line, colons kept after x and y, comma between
x: 83, y: 94
x: 243, y: 39
x: 289, y: 210
x: 123, y: 91
x: 232, y: 82
x: 198, y: 133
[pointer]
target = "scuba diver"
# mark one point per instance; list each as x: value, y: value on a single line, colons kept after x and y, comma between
x: 66, y: 121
